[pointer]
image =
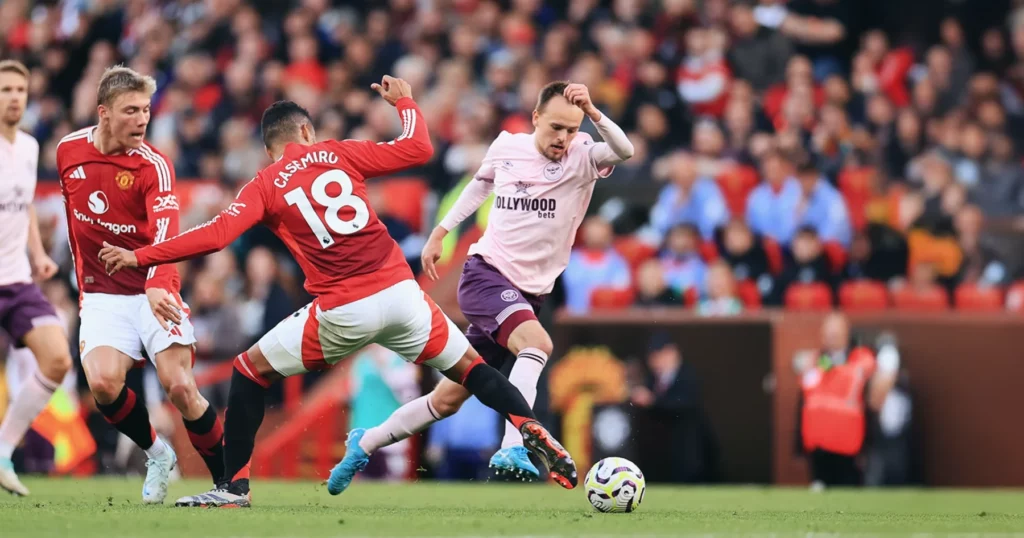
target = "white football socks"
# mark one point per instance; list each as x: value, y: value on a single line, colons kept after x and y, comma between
x: 525, y: 374
x: 407, y: 420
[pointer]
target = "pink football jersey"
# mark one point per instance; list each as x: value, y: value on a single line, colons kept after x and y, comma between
x: 538, y: 206
x: 18, y: 163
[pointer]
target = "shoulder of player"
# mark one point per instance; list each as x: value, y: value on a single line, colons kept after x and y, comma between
x: 75, y: 139
x: 583, y: 140
x: 28, y: 139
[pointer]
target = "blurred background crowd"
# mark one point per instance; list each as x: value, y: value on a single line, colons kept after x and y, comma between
x: 806, y: 153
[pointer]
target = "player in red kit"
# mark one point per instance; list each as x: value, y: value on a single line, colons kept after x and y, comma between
x: 118, y: 188
x: 314, y: 198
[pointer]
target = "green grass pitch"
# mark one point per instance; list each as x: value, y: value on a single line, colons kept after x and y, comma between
x: 109, y: 508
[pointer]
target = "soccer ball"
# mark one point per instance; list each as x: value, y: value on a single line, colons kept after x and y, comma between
x: 615, y: 485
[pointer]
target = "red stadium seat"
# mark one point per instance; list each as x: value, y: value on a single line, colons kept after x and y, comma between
x: 836, y: 255
x: 708, y: 251
x: 857, y: 184
x: 747, y: 291
x: 774, y: 253
x: 736, y: 184
x: 691, y: 296
x: 634, y: 251
x: 934, y: 299
x: 611, y: 298
x: 974, y: 298
x: 809, y: 297
x: 404, y: 199
x: 863, y: 296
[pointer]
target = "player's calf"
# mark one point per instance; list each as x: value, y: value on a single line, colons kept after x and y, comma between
x: 205, y: 431
x: 496, y: 392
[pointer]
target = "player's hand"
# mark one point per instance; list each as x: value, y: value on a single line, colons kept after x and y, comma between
x: 117, y: 258
x: 579, y: 95
x: 43, y: 268
x: 642, y: 397
x: 432, y: 252
x: 392, y: 89
x: 165, y: 307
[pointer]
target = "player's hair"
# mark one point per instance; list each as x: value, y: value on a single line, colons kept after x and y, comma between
x: 282, y: 120
x: 549, y: 92
x: 14, y: 66
x: 119, y: 80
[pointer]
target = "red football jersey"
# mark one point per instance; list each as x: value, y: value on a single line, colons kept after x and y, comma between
x: 314, y: 198
x: 126, y: 199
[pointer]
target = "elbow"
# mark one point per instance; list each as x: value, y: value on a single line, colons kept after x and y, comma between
x: 626, y: 151
x: 424, y: 152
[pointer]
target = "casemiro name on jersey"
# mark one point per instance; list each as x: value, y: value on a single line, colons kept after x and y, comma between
x: 297, y: 165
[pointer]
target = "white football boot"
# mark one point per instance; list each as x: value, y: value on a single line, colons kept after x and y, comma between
x: 158, y: 475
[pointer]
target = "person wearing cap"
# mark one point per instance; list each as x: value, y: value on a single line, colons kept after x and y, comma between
x: 668, y: 401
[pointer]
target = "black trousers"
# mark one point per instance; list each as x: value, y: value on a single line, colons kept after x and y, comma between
x: 834, y: 469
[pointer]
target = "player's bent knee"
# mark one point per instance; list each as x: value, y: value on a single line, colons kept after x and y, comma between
x: 105, y: 389
x: 54, y: 367
x: 530, y: 334
x: 448, y: 402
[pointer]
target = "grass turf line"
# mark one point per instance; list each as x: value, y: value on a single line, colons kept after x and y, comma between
x: 111, y: 508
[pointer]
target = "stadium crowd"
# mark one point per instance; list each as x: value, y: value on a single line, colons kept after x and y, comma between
x: 794, y: 143
x: 784, y: 150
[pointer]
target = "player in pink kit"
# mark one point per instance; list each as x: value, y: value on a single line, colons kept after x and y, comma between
x: 118, y: 188
x: 314, y: 198
x: 24, y: 314
x: 543, y: 183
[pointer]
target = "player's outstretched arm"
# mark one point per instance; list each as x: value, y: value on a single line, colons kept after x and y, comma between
x: 245, y: 212
x: 411, y: 148
x: 616, y: 147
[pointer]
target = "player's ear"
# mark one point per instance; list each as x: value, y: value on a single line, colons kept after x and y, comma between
x: 307, y: 133
x: 536, y: 118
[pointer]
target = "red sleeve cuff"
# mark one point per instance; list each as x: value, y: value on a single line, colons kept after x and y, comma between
x: 140, y: 257
x: 405, y: 102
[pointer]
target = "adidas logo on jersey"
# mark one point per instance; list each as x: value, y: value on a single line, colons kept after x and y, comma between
x: 79, y: 173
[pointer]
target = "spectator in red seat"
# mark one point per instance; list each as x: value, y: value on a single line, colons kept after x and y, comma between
x: 680, y: 259
x: 806, y: 263
x: 703, y: 79
x: 878, y: 253
x: 688, y: 199
x: 742, y: 250
x: 721, y: 297
x: 757, y: 54
x: 799, y: 72
x: 651, y: 288
x: 593, y: 265
x: 821, y: 206
x: 982, y: 264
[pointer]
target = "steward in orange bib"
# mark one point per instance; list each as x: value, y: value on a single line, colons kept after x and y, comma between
x: 833, y: 414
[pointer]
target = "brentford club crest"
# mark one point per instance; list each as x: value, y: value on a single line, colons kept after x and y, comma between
x: 553, y: 171
x: 124, y: 179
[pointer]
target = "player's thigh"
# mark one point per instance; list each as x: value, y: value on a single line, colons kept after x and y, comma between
x: 105, y: 369
x: 110, y: 321
x: 492, y: 303
x: 530, y: 334
x: 419, y: 331
x: 178, y: 339
x: 314, y: 339
x: 50, y: 347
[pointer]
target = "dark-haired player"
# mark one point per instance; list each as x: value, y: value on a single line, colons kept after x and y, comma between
x: 314, y: 198
x: 542, y: 184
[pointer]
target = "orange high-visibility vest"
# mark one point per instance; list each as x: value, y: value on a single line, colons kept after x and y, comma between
x: 833, y: 414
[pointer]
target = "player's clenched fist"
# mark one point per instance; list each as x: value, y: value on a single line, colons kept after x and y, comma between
x: 579, y: 95
x: 392, y: 89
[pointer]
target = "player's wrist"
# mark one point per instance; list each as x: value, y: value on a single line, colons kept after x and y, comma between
x: 439, y: 232
x: 405, y: 102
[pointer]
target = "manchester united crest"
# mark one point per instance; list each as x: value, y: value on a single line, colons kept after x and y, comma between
x: 124, y: 179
